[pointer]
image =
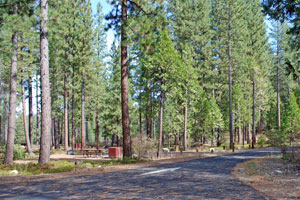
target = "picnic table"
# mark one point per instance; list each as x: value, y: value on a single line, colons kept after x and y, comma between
x: 90, y: 152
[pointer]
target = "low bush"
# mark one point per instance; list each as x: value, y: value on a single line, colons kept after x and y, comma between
x: 277, y: 138
x: 261, y: 141
x: 143, y: 148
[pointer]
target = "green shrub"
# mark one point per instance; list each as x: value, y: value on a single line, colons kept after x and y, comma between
x: 277, y: 138
x: 261, y: 141
x: 19, y: 152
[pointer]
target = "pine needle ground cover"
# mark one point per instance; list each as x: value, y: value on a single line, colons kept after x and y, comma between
x: 274, y: 176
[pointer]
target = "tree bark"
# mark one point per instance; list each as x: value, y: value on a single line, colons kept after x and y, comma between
x: 253, y: 115
x: 97, y: 131
x: 66, y: 126
x: 87, y: 131
x: 185, y: 128
x: 37, y: 112
x: 1, y: 138
x: 30, y: 110
x: 73, y: 112
x: 230, y: 80
x: 27, y: 136
x: 160, y: 123
x: 112, y: 140
x: 219, y: 138
x: 12, y: 97
x: 124, y: 85
x: 277, y: 88
x: 56, y: 132
x: 82, y: 111
x: 45, y: 86
x: 149, y: 126
x: 244, y: 134
x: 141, y: 125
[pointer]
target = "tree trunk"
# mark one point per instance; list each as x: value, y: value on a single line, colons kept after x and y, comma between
x: 219, y: 138
x: 149, y: 126
x: 124, y: 85
x: 185, y: 128
x: 56, y: 132
x: 1, y: 138
x: 66, y: 126
x: 277, y: 88
x: 230, y: 81
x: 141, y: 125
x: 97, y: 131
x: 52, y: 133
x: 259, y: 123
x: 82, y: 111
x: 244, y: 134
x: 60, y: 128
x: 87, y: 131
x: 73, y: 113
x: 45, y: 86
x: 253, y: 115
x: 37, y: 112
x: 239, y: 127
x: 154, y: 130
x: 112, y: 140
x: 27, y: 137
x: 12, y: 98
x: 160, y: 123
x: 30, y: 110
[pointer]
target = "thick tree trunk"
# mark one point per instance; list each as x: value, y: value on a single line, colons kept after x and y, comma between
x: 185, y: 128
x: 12, y: 98
x: 97, y: 131
x: 160, y: 123
x: 45, y: 86
x: 149, y: 126
x: 82, y: 111
x: 124, y: 85
x: 230, y: 81
x: 37, y: 112
x: 253, y: 115
x: 30, y: 110
x: 66, y: 126
x: 27, y: 137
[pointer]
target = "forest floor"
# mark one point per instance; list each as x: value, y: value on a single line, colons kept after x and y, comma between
x: 272, y: 176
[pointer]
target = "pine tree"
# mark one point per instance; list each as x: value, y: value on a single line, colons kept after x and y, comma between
x: 45, y: 86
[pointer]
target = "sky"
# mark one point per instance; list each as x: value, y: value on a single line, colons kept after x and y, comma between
x: 106, y: 9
